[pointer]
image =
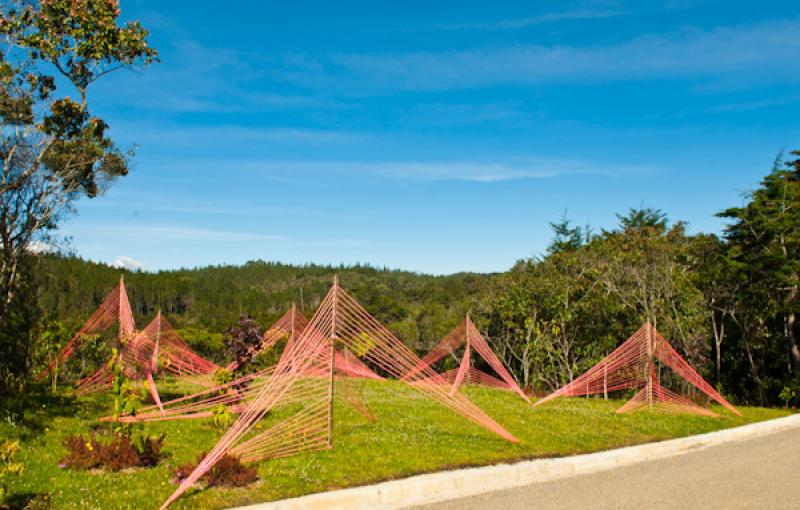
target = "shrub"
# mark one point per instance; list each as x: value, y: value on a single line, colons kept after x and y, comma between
x: 222, y: 376
x: 9, y: 450
x: 789, y: 394
x: 228, y: 472
x: 121, y: 452
x: 222, y: 417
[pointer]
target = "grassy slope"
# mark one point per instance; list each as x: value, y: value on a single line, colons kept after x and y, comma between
x: 412, y: 435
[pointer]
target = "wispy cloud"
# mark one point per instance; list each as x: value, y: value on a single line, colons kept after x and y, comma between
x: 529, y: 21
x: 178, y: 233
x: 743, y: 106
x: 766, y: 51
x: 196, y: 78
x: 474, y: 171
x: 165, y: 134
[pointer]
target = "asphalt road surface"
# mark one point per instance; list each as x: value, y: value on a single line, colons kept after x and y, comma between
x: 753, y: 474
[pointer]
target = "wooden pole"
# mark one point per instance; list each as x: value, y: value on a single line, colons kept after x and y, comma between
x: 605, y: 381
x: 291, y: 327
x: 158, y: 343
x: 120, y: 333
x: 330, y: 367
x: 650, y: 365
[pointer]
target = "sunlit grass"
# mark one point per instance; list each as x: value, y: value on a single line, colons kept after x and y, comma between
x: 412, y: 435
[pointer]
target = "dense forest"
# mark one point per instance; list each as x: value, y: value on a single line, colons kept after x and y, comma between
x: 728, y: 303
x: 203, y: 302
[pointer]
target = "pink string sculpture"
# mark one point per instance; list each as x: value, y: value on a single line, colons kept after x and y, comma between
x: 632, y: 365
x: 467, y: 334
x: 114, y: 308
x: 238, y: 393
x: 339, y: 321
x: 156, y: 349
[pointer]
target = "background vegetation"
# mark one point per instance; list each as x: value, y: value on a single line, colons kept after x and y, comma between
x: 728, y: 303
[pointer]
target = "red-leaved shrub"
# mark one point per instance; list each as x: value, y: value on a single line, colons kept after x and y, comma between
x: 228, y: 472
x: 121, y: 452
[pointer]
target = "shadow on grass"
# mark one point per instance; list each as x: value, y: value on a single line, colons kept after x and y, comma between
x: 27, y: 501
x: 35, y: 410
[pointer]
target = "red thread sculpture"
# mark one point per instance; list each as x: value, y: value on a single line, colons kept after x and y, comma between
x: 339, y: 321
x: 237, y: 394
x: 157, y: 348
x: 114, y: 308
x: 467, y: 334
x: 632, y: 366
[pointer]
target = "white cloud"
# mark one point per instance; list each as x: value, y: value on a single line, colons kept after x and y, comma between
x: 165, y: 134
x: 475, y: 171
x: 40, y: 247
x: 158, y: 232
x: 129, y: 263
x: 552, y: 17
x: 767, y: 52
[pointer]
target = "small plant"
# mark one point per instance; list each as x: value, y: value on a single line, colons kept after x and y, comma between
x: 127, y: 396
x: 223, y: 376
x: 121, y: 452
x: 789, y: 394
x: 8, y: 467
x: 222, y: 417
x: 228, y: 472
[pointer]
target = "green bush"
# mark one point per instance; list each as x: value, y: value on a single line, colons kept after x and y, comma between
x: 8, y: 467
x: 222, y: 417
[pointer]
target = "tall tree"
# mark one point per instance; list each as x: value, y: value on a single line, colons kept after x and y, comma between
x: 764, y: 238
x: 643, y: 217
x: 567, y: 237
x: 53, y: 148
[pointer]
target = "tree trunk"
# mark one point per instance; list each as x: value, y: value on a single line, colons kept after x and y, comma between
x: 790, y: 323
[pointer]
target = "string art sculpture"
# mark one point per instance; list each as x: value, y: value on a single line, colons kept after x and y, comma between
x: 156, y: 349
x: 340, y: 321
x: 467, y: 334
x: 236, y: 394
x: 632, y: 365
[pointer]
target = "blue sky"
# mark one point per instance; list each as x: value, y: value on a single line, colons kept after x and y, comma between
x: 433, y: 136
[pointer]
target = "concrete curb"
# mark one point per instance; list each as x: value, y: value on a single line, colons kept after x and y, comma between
x: 442, y: 486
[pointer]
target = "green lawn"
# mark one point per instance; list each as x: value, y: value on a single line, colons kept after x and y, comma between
x: 412, y: 435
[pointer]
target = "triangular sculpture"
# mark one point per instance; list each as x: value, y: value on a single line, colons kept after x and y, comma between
x: 339, y: 320
x: 158, y: 348
x: 467, y: 334
x: 632, y: 365
x: 238, y: 393
x: 114, y: 308
x: 144, y: 353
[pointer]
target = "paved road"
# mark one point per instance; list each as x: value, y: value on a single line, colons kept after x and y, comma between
x: 752, y: 474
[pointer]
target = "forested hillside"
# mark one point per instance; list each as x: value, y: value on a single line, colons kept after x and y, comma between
x: 418, y: 308
x: 728, y: 303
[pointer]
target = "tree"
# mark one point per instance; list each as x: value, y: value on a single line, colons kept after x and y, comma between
x: 53, y: 149
x: 242, y: 339
x: 764, y: 239
x: 566, y: 237
x: 721, y: 288
x: 651, y: 271
x: 643, y: 217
